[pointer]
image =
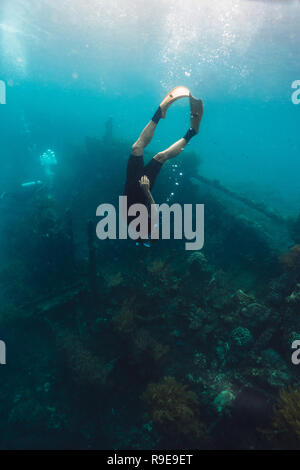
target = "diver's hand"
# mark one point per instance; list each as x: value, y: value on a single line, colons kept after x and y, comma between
x: 145, y: 183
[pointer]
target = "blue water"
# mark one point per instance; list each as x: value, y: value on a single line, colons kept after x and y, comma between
x: 69, y: 66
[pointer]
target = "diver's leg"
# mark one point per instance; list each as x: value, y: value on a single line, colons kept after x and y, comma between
x: 144, y: 139
x: 197, y: 110
x: 153, y: 167
x: 147, y: 133
x: 171, y: 152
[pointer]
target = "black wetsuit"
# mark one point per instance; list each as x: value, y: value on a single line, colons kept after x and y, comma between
x: 135, y: 195
x: 135, y: 170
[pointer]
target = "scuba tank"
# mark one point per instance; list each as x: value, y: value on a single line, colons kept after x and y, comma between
x: 31, y: 184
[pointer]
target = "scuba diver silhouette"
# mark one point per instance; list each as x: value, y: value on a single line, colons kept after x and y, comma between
x: 26, y: 190
x: 140, y: 178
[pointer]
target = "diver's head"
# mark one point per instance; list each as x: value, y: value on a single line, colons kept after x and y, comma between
x: 48, y: 158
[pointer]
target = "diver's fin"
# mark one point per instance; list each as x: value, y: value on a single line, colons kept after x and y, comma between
x: 173, y: 95
x: 197, y: 110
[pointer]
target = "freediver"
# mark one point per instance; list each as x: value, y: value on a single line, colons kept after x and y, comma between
x: 140, y: 178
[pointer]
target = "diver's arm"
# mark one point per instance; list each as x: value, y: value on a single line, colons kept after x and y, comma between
x: 145, y: 185
x: 149, y: 197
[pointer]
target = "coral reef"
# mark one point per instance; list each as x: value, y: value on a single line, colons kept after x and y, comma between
x: 241, y: 337
x: 86, y: 368
x: 174, y: 407
x: 124, y: 320
x: 286, y: 419
x: 156, y: 267
x: 145, y: 348
x: 291, y: 259
x: 294, y: 297
x: 114, y: 280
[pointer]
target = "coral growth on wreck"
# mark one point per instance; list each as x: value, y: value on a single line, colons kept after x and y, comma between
x: 286, y: 418
x: 174, y: 407
x: 291, y: 259
x: 124, y: 320
x: 114, y: 280
x: 127, y: 319
x: 156, y: 267
x: 86, y: 368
